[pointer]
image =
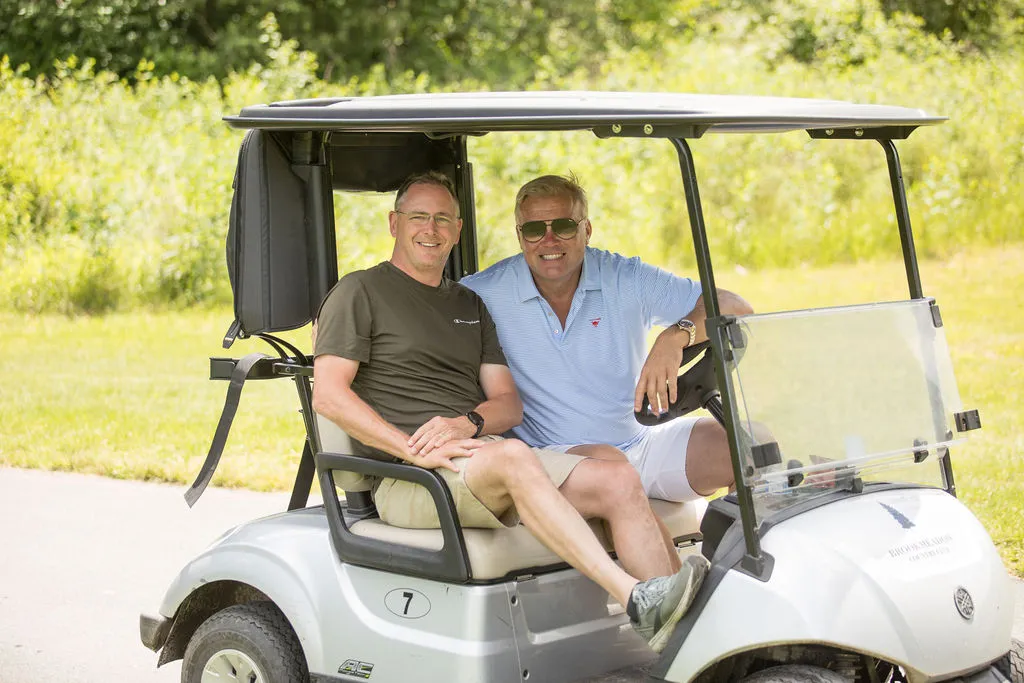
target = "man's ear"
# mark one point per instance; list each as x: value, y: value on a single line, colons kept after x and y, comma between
x: 393, y: 223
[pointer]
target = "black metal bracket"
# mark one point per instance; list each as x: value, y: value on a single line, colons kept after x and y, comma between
x: 936, y: 314
x: 651, y: 130
x: 879, y: 133
x: 766, y: 454
x: 920, y: 450
x: 967, y: 420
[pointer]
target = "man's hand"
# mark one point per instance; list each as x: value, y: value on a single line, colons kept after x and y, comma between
x: 442, y: 455
x: 661, y: 370
x: 438, y: 431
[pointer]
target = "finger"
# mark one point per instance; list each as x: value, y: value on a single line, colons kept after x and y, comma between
x: 673, y: 388
x: 436, y: 442
x: 652, y: 394
x: 467, y: 444
x: 663, y: 395
x: 638, y: 395
x: 418, y: 444
x: 425, y: 428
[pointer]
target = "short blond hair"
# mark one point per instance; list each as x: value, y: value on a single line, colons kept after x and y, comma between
x: 554, y: 186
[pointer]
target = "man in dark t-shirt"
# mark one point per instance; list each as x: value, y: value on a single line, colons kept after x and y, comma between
x: 408, y: 364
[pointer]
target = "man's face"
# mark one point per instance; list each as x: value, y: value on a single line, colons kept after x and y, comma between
x: 425, y: 228
x: 553, y: 260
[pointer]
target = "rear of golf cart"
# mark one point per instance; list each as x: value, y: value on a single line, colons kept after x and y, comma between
x: 843, y: 552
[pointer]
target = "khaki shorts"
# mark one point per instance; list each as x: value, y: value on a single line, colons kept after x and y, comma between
x: 409, y: 505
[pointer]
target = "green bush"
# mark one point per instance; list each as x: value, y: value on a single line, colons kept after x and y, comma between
x: 115, y: 193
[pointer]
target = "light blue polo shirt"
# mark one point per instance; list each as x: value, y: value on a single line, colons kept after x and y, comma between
x: 577, y: 384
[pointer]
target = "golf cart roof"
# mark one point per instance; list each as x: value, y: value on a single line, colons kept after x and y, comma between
x: 606, y: 113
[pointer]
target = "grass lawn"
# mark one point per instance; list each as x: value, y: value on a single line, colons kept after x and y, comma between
x: 127, y: 395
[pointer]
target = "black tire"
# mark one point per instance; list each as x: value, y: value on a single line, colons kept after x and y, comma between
x: 795, y: 673
x: 1012, y: 665
x: 255, y: 635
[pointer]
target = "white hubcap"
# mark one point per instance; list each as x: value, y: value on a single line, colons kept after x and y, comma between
x: 231, y: 665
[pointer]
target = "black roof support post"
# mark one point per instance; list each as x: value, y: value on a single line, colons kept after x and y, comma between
x: 463, y: 259
x: 753, y: 561
x: 899, y: 195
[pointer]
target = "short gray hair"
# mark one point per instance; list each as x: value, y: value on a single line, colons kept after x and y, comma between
x: 427, y: 178
x: 554, y: 186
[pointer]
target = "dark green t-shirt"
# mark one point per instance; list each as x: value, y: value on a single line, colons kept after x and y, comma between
x: 419, y: 347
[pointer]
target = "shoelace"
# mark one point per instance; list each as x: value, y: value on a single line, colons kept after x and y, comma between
x: 650, y: 592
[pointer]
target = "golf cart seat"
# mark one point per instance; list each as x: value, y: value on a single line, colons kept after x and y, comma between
x: 491, y: 553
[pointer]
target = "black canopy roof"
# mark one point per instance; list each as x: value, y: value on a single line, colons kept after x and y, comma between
x: 606, y: 113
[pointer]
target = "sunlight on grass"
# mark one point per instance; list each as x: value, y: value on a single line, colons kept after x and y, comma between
x: 127, y: 395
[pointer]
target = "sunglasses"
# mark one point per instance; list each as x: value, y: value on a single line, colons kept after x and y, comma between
x: 564, y: 229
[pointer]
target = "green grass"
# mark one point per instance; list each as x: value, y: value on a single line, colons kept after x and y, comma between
x: 126, y: 395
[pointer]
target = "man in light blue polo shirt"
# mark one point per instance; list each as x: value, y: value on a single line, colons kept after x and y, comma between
x: 573, y: 322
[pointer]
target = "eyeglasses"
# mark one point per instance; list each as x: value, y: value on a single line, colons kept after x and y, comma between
x: 564, y: 229
x: 421, y: 218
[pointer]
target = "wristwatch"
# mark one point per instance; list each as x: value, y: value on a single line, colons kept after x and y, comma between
x: 477, y: 419
x: 690, y: 329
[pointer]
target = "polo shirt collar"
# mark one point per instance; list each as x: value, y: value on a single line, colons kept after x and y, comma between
x: 526, y: 288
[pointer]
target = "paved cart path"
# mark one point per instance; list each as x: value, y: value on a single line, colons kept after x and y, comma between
x: 81, y: 556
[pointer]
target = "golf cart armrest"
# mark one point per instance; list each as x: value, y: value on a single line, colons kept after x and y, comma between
x: 450, y: 563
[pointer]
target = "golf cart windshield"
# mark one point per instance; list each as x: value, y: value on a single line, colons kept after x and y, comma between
x: 839, y: 397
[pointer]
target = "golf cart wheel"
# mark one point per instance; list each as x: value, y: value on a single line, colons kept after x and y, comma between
x: 1012, y: 665
x: 250, y: 643
x: 795, y: 673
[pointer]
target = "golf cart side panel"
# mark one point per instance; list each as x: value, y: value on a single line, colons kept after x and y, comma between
x: 900, y: 604
x: 287, y: 557
x: 407, y: 626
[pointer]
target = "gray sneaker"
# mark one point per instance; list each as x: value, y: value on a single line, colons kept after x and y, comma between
x: 662, y: 601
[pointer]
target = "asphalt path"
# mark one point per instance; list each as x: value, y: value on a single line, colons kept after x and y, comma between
x: 81, y: 556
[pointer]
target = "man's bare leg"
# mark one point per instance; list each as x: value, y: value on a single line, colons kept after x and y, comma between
x: 708, y: 464
x: 633, y: 546
x: 611, y: 489
x: 507, y: 472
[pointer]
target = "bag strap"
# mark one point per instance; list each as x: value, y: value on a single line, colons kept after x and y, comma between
x: 227, y: 416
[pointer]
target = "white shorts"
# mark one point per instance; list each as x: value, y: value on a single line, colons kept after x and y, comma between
x: 660, y: 458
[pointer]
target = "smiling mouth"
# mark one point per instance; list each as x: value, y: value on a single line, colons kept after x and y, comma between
x: 551, y: 257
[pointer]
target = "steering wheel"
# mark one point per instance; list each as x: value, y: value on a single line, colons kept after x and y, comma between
x: 695, y: 388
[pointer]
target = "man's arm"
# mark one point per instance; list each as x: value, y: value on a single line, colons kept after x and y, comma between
x: 334, y: 399
x: 658, y: 377
x: 501, y: 411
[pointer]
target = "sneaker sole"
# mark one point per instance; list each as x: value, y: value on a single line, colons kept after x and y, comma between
x: 660, y: 639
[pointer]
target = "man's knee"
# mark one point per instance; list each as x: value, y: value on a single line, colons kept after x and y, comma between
x: 613, y: 485
x: 510, y: 462
x: 708, y: 462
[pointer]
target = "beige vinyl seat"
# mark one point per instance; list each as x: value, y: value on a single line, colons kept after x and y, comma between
x: 493, y: 553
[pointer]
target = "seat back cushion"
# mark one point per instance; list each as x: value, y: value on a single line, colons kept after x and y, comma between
x: 333, y: 439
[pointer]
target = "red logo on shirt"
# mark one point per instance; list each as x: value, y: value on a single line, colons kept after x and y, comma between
x: 595, y: 321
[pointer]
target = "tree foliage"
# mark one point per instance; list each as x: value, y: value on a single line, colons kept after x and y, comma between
x: 497, y: 41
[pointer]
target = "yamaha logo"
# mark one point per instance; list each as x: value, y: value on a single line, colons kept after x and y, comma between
x: 964, y: 603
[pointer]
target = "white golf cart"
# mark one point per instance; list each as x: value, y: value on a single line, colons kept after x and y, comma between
x: 843, y: 555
